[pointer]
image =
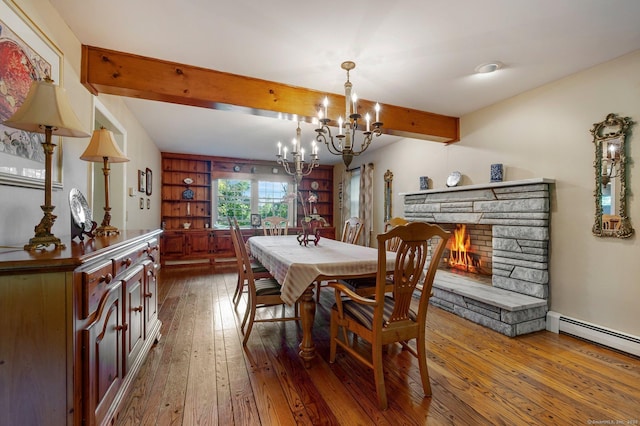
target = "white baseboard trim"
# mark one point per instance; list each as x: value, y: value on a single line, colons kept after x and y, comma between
x: 558, y: 323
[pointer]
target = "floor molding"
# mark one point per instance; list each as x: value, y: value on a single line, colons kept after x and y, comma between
x: 558, y: 323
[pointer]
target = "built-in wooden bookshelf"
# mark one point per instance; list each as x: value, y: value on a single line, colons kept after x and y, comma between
x: 320, y: 182
x: 186, y: 202
x: 191, y: 202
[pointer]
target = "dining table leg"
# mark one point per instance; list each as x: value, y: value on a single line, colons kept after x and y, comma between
x: 308, y: 313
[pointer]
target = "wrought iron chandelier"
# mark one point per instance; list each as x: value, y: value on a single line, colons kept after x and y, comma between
x: 297, y: 167
x: 346, y: 141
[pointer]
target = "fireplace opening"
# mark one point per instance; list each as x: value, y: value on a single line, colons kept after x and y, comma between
x: 469, y: 251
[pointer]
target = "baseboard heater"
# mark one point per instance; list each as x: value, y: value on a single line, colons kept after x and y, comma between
x: 559, y: 323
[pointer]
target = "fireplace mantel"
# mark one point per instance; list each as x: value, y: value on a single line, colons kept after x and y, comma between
x: 518, y: 212
x: 533, y: 181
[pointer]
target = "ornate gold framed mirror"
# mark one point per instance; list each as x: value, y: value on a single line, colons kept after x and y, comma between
x: 609, y: 138
x: 388, y: 207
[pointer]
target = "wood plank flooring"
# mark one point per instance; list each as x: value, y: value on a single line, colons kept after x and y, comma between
x: 199, y: 373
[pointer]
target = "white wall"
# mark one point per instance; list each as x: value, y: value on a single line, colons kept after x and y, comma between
x: 545, y: 133
x: 20, y: 207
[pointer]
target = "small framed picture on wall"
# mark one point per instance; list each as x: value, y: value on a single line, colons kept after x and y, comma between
x: 142, y: 185
x: 149, y: 181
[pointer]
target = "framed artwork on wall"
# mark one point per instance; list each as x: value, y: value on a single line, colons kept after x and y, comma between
x: 142, y: 184
x: 26, y: 54
x: 149, y: 177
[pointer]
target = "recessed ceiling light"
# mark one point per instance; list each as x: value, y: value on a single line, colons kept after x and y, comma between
x: 489, y: 67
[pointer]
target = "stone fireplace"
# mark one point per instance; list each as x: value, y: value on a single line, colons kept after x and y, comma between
x: 513, y: 219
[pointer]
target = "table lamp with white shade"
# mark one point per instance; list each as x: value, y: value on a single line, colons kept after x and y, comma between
x: 104, y: 149
x: 46, y: 109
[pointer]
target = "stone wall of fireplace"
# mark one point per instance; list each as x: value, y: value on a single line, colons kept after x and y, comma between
x: 518, y: 213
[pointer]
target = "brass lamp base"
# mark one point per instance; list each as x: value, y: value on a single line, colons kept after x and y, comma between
x: 44, y: 237
x: 106, y: 230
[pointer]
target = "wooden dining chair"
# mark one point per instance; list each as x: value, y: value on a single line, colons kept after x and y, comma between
x: 366, y: 286
x: 261, y: 292
x: 384, y: 319
x: 275, y: 225
x: 259, y: 271
x: 352, y: 230
x: 350, y: 234
x: 392, y: 244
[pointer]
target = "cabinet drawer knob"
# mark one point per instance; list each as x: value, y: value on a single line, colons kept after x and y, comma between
x: 137, y: 309
x: 122, y: 327
x: 127, y: 261
x: 106, y: 278
x: 148, y: 295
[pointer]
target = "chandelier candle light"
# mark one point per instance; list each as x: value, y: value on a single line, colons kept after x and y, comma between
x: 346, y: 141
x: 297, y: 167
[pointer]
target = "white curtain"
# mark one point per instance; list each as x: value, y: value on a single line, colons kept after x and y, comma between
x: 366, y: 202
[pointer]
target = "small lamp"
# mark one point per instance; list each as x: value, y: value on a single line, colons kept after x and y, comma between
x: 47, y: 110
x: 103, y: 149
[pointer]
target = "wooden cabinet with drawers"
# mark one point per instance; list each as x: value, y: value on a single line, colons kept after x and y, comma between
x: 79, y: 323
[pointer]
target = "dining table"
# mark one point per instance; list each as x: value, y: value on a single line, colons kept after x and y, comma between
x: 298, y: 266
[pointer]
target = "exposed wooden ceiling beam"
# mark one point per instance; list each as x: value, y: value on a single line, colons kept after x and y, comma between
x: 125, y: 74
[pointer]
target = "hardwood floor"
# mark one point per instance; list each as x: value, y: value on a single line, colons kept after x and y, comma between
x: 199, y: 373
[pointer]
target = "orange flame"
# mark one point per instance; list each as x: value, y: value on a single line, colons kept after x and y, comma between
x: 459, y: 252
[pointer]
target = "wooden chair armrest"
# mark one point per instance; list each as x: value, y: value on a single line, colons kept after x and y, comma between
x: 341, y: 288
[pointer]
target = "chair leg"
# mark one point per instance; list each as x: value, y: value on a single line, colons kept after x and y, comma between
x: 378, y: 375
x: 237, y: 295
x: 333, y: 335
x: 247, y: 312
x: 318, y: 291
x: 422, y: 363
x: 252, y: 316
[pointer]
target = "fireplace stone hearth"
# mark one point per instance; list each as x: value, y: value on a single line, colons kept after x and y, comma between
x: 518, y: 211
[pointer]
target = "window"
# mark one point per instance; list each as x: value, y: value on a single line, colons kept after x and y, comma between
x: 233, y: 200
x: 271, y: 199
x: 240, y: 197
x: 354, y: 195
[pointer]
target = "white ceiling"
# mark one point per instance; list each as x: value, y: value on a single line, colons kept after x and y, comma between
x: 419, y: 54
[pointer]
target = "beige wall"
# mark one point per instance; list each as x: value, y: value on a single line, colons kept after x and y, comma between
x: 545, y: 133
x: 20, y: 208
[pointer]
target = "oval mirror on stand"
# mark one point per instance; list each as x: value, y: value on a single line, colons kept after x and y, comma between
x: 609, y: 138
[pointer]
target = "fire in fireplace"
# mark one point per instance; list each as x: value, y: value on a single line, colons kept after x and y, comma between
x: 469, y: 249
x: 459, y: 255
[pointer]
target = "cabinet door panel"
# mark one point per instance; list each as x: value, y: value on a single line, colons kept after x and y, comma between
x: 133, y: 284
x: 199, y: 243
x: 174, y: 244
x: 102, y: 342
x: 223, y: 243
x: 150, y: 296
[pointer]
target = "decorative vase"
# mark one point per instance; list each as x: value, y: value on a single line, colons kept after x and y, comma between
x: 497, y: 172
x: 424, y: 182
